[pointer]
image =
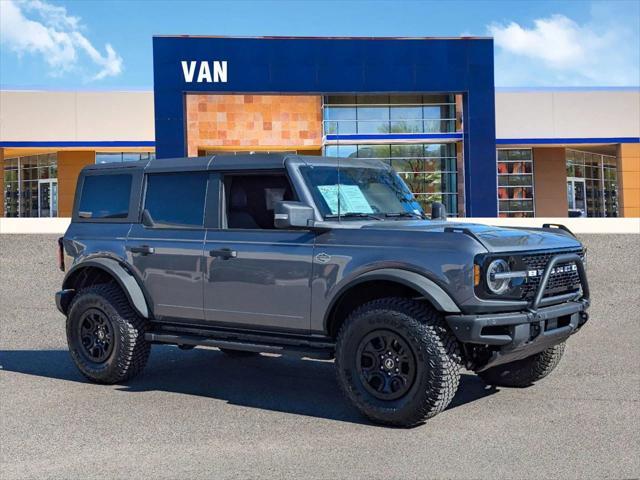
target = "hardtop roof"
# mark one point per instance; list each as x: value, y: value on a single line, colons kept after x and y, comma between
x: 245, y: 161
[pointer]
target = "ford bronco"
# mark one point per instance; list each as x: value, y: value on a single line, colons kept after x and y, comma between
x: 315, y: 257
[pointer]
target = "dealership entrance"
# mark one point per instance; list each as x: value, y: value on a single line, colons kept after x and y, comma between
x: 592, y: 184
x: 31, y: 186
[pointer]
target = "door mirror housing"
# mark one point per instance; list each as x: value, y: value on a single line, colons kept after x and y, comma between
x: 438, y: 211
x: 293, y: 215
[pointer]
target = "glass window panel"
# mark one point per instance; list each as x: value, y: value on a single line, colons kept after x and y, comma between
x: 374, y: 151
x: 176, y: 199
x: 97, y: 204
x: 340, y: 113
x: 373, y: 127
x: 440, y: 150
x: 406, y: 126
x: 373, y: 113
x: 343, y: 127
x: 331, y: 150
x: 106, y: 157
x: 407, y: 151
x: 408, y: 165
x: 130, y: 156
x: 406, y: 113
x: 348, y: 151
x: 432, y: 112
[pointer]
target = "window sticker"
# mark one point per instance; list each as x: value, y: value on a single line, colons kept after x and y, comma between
x: 351, y: 199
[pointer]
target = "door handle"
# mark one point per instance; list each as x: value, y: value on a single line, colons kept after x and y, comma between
x: 223, y: 253
x: 143, y: 250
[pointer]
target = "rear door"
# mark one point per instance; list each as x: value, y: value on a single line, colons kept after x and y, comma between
x: 166, y: 249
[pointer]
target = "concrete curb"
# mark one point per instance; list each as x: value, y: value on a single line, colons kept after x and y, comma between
x: 576, y: 225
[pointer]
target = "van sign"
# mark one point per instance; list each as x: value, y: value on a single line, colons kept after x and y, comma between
x: 207, y: 72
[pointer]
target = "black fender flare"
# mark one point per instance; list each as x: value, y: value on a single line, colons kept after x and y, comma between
x: 124, y: 278
x: 433, y: 292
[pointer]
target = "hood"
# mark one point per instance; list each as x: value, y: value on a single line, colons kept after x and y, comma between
x: 495, y: 239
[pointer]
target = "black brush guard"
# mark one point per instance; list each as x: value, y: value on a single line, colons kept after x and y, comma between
x: 546, y: 322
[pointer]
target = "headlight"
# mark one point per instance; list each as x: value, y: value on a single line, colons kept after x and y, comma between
x: 498, y: 284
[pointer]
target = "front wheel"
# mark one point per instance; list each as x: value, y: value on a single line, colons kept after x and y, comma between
x: 105, y: 335
x: 525, y: 372
x: 397, y: 362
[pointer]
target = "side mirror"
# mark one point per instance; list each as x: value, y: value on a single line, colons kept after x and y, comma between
x: 438, y: 211
x: 293, y: 215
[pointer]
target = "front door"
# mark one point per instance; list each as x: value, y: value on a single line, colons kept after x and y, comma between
x: 576, y: 197
x: 257, y: 276
x: 48, y: 198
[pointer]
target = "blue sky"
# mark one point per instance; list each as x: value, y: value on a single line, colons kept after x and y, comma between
x: 87, y: 44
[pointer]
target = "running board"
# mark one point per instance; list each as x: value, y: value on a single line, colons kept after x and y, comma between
x: 299, y: 347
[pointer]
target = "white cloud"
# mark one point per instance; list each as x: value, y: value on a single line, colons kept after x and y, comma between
x: 40, y: 28
x: 558, y: 51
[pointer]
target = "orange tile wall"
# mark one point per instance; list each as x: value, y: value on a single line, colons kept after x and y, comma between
x: 629, y: 179
x: 69, y: 165
x: 264, y: 122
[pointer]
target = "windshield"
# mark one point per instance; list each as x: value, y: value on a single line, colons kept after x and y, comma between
x: 354, y: 192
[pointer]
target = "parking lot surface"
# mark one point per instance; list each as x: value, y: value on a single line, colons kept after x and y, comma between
x: 200, y: 414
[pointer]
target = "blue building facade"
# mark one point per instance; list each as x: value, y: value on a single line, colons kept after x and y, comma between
x: 426, y: 105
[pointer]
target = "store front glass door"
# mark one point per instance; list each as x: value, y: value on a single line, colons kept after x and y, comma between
x: 48, y: 198
x: 576, y: 198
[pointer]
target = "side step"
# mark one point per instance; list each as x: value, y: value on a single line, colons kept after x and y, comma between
x: 252, y: 342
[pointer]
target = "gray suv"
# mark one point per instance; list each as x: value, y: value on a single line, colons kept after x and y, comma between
x: 315, y: 257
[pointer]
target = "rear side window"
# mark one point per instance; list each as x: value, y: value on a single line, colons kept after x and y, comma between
x: 176, y: 199
x: 105, y: 196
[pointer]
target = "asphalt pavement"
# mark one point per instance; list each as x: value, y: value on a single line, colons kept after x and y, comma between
x: 200, y: 414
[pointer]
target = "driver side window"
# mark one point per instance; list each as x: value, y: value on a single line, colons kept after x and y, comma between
x: 250, y: 199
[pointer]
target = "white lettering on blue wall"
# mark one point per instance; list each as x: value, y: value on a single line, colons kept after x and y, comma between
x: 208, y: 72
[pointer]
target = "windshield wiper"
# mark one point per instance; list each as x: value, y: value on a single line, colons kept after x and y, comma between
x: 404, y: 214
x: 353, y: 215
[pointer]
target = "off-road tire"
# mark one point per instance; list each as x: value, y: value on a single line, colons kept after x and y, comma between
x: 435, y: 349
x: 238, y: 353
x: 130, y: 350
x: 525, y: 372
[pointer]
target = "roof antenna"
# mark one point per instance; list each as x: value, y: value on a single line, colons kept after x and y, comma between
x: 338, y: 148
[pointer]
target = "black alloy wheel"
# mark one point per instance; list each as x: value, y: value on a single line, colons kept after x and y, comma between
x: 106, y: 336
x: 96, y: 335
x: 386, y: 365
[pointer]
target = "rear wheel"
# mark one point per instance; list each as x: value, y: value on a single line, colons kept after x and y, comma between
x: 397, y: 362
x: 525, y: 372
x: 105, y: 335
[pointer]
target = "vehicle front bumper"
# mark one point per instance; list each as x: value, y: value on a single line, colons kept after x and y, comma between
x: 517, y: 335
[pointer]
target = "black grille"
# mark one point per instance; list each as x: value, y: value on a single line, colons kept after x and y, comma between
x: 559, y: 282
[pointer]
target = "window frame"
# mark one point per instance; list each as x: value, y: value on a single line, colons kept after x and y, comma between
x: 134, y: 195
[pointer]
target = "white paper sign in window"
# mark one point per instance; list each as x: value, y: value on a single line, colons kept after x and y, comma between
x: 351, y: 199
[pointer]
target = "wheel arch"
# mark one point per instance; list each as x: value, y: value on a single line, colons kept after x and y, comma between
x: 383, y: 283
x: 94, y: 270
